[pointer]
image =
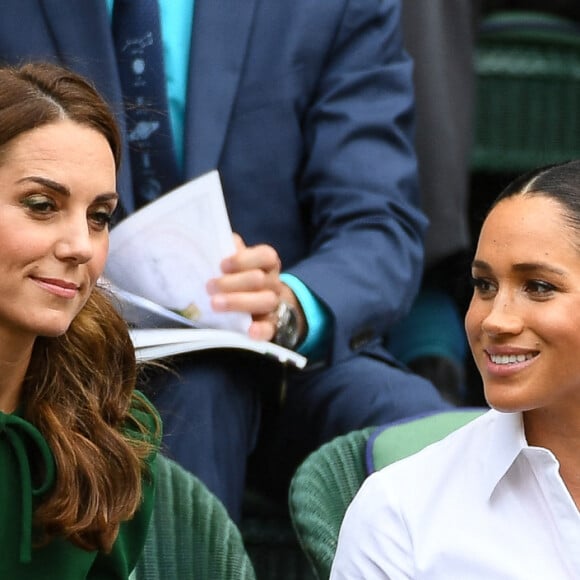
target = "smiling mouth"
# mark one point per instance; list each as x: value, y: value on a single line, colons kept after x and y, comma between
x: 510, y: 359
x: 57, y: 287
x: 59, y: 283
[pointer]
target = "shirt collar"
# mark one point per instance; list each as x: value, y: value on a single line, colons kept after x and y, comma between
x: 505, y: 442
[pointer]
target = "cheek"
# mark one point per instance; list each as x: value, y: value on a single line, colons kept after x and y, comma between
x: 473, y: 319
x: 559, y: 326
x: 25, y: 244
x: 97, y: 263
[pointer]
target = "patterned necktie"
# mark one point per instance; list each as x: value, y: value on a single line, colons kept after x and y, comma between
x: 137, y: 35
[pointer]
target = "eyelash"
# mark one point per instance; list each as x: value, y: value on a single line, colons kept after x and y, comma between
x: 542, y: 287
x: 103, y: 218
x: 39, y: 204
x: 481, y: 285
x: 475, y: 282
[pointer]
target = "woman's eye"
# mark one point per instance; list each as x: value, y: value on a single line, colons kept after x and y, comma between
x: 539, y: 287
x: 482, y: 286
x: 39, y: 204
x: 101, y: 219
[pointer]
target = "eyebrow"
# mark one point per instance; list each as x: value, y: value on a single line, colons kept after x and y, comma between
x: 523, y: 267
x: 63, y: 189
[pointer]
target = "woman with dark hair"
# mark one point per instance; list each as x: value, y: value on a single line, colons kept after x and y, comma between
x: 500, y: 497
x: 76, y: 440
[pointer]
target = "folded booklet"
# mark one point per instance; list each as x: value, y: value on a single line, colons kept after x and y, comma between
x: 154, y: 343
x: 160, y: 259
x: 158, y: 332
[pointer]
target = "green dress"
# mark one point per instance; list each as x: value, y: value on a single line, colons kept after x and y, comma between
x: 60, y: 559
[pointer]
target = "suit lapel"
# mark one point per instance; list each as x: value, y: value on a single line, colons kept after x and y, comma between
x: 220, y: 35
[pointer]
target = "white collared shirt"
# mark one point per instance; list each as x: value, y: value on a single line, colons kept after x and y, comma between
x: 480, y: 504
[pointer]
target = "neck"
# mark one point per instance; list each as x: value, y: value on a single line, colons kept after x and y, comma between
x: 13, y: 367
x: 560, y: 433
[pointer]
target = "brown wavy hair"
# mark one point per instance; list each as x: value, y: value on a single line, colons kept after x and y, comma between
x: 80, y: 387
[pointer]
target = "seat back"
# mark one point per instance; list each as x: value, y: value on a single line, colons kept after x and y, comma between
x: 320, y: 491
x: 191, y: 536
x: 527, y: 68
x: 327, y: 481
x: 393, y: 442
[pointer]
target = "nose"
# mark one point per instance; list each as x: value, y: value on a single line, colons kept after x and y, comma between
x: 502, y: 317
x: 75, y: 243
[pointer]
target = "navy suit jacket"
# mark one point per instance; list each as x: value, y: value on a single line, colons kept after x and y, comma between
x: 306, y: 109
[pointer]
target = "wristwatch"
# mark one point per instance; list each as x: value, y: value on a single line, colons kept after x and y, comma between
x: 287, y: 334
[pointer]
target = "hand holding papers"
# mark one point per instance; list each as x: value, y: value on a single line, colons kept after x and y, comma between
x: 160, y: 259
x: 169, y: 249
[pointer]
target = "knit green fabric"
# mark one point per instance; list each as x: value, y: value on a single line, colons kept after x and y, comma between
x: 191, y: 536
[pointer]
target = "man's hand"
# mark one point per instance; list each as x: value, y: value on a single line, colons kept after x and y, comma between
x: 251, y: 283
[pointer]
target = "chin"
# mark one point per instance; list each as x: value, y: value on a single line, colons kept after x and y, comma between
x: 52, y: 332
x: 504, y: 408
x: 505, y: 403
x: 53, y: 328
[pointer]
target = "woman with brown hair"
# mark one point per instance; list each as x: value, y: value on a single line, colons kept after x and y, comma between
x: 76, y: 440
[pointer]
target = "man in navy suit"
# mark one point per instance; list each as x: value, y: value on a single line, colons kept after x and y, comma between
x: 306, y: 109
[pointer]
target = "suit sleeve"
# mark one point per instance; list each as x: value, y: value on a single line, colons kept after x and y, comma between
x: 360, y: 179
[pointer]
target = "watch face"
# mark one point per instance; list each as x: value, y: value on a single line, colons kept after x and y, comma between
x: 287, y: 326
